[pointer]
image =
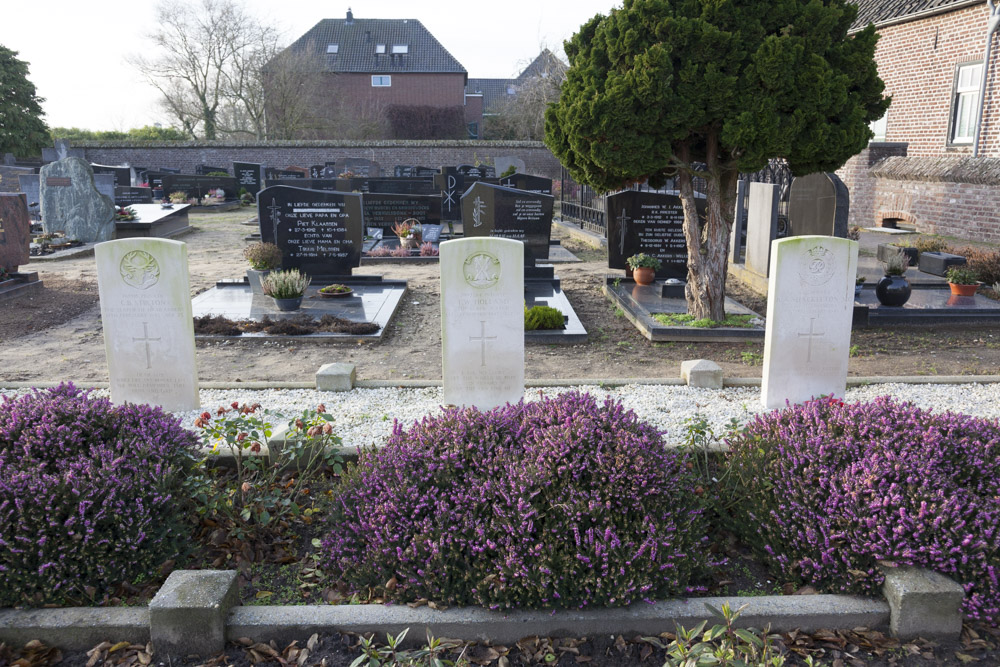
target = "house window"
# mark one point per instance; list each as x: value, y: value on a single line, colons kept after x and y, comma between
x: 332, y: 48
x: 965, y: 102
x: 381, y: 80
x: 380, y: 48
x: 511, y: 90
x: 878, y: 127
x: 400, y: 48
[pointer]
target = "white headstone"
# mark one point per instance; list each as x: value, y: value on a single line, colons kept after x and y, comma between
x: 148, y: 328
x: 482, y: 321
x: 810, y: 306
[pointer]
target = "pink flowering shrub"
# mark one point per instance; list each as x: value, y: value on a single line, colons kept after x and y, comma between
x: 555, y: 503
x: 88, y: 495
x: 830, y: 489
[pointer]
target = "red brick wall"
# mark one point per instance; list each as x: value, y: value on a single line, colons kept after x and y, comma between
x: 917, y: 61
x: 408, y: 89
x: 965, y: 210
x: 857, y: 177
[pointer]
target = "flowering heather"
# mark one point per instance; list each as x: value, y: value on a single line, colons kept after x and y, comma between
x: 557, y: 503
x: 86, y: 494
x: 830, y: 489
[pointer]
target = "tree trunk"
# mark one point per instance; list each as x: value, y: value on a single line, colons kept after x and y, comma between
x: 708, y: 239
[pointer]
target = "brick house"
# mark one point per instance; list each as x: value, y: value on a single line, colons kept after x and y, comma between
x: 372, y: 78
x: 919, y: 170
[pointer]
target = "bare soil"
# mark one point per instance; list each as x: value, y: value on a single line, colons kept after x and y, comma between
x: 56, y: 334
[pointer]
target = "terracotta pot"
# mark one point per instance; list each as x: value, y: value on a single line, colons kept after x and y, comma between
x: 644, y: 275
x: 963, y: 290
x: 893, y: 290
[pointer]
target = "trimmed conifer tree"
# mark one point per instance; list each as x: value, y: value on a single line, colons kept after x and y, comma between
x: 710, y: 88
x: 22, y: 130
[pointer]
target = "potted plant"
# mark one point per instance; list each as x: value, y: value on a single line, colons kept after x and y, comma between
x: 893, y: 289
x: 410, y: 233
x: 263, y: 258
x: 963, y: 280
x: 643, y: 268
x: 859, y: 284
x: 335, y: 290
x: 178, y: 197
x: 286, y: 288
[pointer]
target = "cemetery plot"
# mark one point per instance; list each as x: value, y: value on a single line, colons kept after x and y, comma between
x: 198, y: 187
x: 155, y: 220
x: 122, y: 174
x: 650, y: 223
x: 71, y: 204
x: 250, y: 176
x: 126, y: 196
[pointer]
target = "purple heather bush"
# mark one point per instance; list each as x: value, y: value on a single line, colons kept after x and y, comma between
x: 88, y: 494
x: 829, y: 489
x: 555, y: 503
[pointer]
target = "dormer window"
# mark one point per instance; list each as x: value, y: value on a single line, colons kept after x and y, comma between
x: 400, y: 48
x: 380, y: 48
x: 332, y: 48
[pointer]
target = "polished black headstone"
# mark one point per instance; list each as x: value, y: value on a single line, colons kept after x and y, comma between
x: 491, y: 210
x: 320, y: 233
x: 385, y: 209
x: 123, y: 174
x: 270, y: 173
x: 528, y: 182
x: 651, y: 223
x: 325, y: 184
x: 198, y: 186
x: 249, y: 175
x: 451, y: 185
x: 205, y: 170
x: 127, y: 196
x: 360, y: 167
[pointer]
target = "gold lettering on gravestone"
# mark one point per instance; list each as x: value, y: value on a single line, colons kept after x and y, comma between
x: 139, y: 269
x: 58, y: 181
x: 145, y: 340
x: 810, y: 335
x: 482, y: 338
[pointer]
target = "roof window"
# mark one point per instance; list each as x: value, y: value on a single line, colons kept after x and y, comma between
x: 400, y: 48
x: 332, y: 48
x: 380, y: 48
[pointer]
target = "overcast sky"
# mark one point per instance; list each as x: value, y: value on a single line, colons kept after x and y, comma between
x: 76, y: 49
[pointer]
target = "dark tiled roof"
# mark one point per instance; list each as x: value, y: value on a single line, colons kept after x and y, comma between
x: 892, y: 11
x: 356, y: 40
x: 544, y: 64
x: 494, y: 91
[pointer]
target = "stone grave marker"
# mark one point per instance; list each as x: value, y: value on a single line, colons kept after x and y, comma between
x: 105, y: 184
x: 529, y: 183
x: 326, y: 184
x: 198, y: 186
x: 15, y: 231
x: 70, y: 203
x: 360, y: 167
x: 125, y: 196
x: 272, y: 173
x: 649, y: 222
x: 205, y: 170
x: 818, y: 204
x: 736, y: 236
x: 504, y: 162
x: 9, y: 176
x: 60, y: 150
x: 122, y: 173
x: 249, y: 175
x: 413, y: 171
x: 482, y: 321
x: 169, y: 170
x: 491, y: 210
x: 385, y: 209
x: 451, y: 184
x: 810, y: 306
x: 319, y: 233
x: 31, y: 188
x: 148, y: 328
x: 762, y: 226
x: 316, y: 170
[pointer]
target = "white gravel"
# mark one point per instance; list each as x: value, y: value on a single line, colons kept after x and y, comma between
x: 365, y: 416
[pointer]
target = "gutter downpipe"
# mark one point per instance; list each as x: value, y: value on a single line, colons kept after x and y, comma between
x: 991, y: 27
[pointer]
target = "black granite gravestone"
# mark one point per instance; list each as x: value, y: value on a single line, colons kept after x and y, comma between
x: 123, y: 174
x: 316, y: 171
x: 249, y: 175
x: 451, y: 184
x: 651, y: 223
x: 168, y: 170
x: 528, y: 182
x: 320, y: 233
x: 270, y: 173
x: 125, y: 196
x: 408, y: 171
x: 818, y: 204
x: 361, y: 167
x: 491, y: 210
x: 205, y: 170
x: 324, y: 184
x: 198, y: 186
x: 385, y: 209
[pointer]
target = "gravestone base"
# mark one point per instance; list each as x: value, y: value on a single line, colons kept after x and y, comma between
x: 938, y: 263
x: 549, y: 293
x: 155, y: 221
x: 19, y: 286
x: 639, y: 302
x: 374, y: 300
x: 928, y: 304
x: 540, y: 272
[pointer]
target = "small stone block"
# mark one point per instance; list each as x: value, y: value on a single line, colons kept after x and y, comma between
x: 923, y: 603
x: 938, y: 263
x: 335, y: 377
x: 188, y: 614
x: 701, y: 373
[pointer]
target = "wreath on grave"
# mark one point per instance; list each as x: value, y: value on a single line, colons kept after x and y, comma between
x: 125, y: 213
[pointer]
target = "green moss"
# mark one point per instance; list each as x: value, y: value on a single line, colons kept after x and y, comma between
x: 685, y: 320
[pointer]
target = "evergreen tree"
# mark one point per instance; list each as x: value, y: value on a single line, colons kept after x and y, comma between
x: 709, y: 88
x: 22, y: 130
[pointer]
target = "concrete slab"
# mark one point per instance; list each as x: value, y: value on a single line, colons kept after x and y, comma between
x: 923, y: 603
x: 74, y: 628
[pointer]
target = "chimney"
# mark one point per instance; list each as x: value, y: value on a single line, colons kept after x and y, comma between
x: 350, y: 17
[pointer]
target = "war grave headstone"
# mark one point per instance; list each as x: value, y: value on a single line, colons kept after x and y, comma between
x: 15, y: 241
x: 810, y: 306
x: 70, y: 203
x: 498, y: 212
x: 148, y: 328
x: 653, y: 223
x: 205, y: 170
x: 126, y: 196
x: 762, y: 227
x: 482, y: 321
x: 529, y: 183
x: 249, y: 175
x: 122, y: 173
x: 9, y: 176
x: 451, y: 184
x: 503, y: 163
x: 818, y: 204
x: 321, y: 234
x: 198, y: 186
x: 360, y: 167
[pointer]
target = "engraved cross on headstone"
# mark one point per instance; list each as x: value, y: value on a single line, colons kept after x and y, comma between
x: 482, y: 338
x: 145, y: 340
x: 623, y: 221
x: 810, y: 335
x: 275, y: 209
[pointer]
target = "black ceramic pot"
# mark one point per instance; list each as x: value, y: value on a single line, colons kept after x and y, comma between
x: 892, y: 290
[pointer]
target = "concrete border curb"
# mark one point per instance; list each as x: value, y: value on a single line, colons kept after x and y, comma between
x: 75, y: 627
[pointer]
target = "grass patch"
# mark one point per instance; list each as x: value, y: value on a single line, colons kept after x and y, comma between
x: 685, y: 320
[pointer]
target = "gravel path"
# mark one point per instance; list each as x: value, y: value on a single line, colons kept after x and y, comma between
x: 365, y: 416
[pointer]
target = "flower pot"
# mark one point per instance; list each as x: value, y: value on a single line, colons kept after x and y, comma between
x: 892, y: 290
x: 288, y: 304
x: 963, y: 290
x: 254, y: 277
x: 857, y: 290
x: 644, y: 275
x: 409, y: 242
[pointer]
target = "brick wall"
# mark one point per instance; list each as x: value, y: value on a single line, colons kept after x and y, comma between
x: 188, y: 155
x: 856, y: 175
x: 917, y: 61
